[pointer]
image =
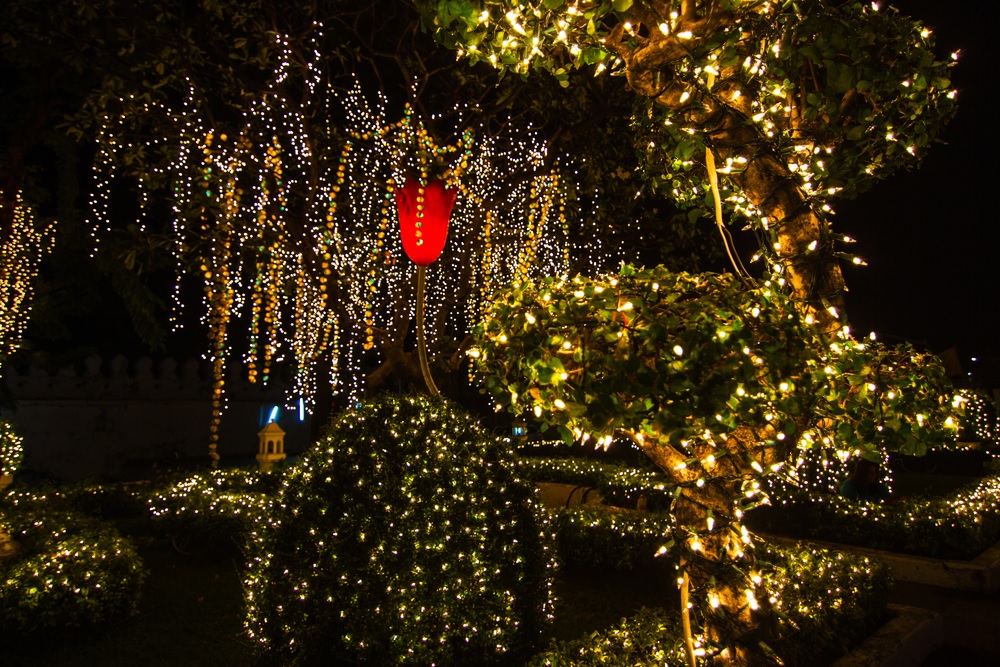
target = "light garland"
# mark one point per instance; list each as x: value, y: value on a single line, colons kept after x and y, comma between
x: 292, y: 226
x: 23, y: 245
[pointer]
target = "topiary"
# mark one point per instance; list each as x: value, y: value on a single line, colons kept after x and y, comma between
x: 404, y: 537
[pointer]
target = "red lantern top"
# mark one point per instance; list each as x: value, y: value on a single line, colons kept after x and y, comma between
x: 424, y: 211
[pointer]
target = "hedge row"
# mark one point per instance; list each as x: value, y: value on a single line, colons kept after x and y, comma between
x: 957, y: 526
x: 619, y: 485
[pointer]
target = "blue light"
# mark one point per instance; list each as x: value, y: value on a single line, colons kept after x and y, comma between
x: 274, y: 414
x: 302, y: 409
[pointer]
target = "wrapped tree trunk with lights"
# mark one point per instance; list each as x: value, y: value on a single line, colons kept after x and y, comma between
x: 706, y: 377
x: 777, y: 107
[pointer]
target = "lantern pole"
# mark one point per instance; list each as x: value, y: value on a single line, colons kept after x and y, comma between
x: 421, y: 343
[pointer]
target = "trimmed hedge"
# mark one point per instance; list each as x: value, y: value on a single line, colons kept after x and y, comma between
x: 604, y: 537
x: 957, y: 526
x: 618, y: 484
x: 827, y: 603
x: 217, y: 505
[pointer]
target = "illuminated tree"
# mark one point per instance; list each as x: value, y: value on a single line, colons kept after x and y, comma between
x: 266, y: 146
x: 773, y: 108
x: 274, y: 184
x: 723, y: 387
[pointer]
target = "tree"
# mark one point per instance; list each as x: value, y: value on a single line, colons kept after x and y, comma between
x: 265, y: 147
x: 776, y: 107
x: 23, y: 243
x: 153, y: 75
x: 722, y: 387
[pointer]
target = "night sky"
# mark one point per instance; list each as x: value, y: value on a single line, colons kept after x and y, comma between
x: 927, y: 235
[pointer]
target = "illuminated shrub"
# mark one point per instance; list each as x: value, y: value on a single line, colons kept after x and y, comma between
x: 403, y: 538
x: 11, y: 451
x: 826, y: 601
x: 71, y: 569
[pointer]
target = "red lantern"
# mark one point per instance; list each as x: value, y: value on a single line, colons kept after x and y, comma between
x: 424, y: 211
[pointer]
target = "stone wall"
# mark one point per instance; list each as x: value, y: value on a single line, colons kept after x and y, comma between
x: 118, y: 419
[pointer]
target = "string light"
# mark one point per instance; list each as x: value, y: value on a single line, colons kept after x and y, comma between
x: 293, y: 227
x: 22, y: 248
x: 11, y: 449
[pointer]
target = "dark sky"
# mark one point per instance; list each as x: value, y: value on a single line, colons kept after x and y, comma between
x: 928, y: 235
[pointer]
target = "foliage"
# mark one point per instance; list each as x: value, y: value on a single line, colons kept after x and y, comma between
x: 872, y: 399
x: 819, y: 626
x: 981, y: 421
x: 404, y: 537
x: 619, y: 485
x: 827, y: 601
x: 880, y: 398
x: 605, y: 537
x: 691, y: 357
x: 11, y: 448
x: 650, y: 637
x: 216, y: 504
x: 959, y: 526
x: 848, y: 93
x: 71, y: 569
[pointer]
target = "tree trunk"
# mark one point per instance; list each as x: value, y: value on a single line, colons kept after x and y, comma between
x: 803, y: 238
x: 714, y: 551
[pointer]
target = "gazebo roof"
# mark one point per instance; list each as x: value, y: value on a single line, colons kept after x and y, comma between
x: 271, y: 428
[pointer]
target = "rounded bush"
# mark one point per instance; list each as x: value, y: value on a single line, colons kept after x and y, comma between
x: 405, y: 537
x: 70, y: 569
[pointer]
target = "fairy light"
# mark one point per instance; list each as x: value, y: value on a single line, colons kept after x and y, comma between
x: 480, y: 583
x: 981, y: 419
x: 23, y: 245
x: 11, y: 449
x: 318, y: 277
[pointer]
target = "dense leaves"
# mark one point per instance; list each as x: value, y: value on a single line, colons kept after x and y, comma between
x: 71, y: 569
x: 688, y: 357
x: 959, y: 526
x: 803, y: 579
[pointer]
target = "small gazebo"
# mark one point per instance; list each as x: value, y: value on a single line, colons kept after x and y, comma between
x: 272, y: 445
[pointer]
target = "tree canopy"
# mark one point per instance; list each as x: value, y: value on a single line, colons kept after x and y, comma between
x: 787, y: 105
